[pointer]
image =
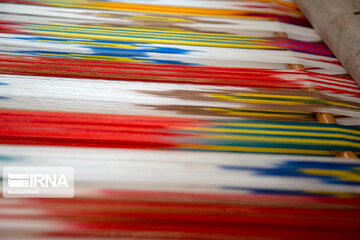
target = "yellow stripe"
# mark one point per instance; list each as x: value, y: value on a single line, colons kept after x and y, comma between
x: 171, y: 37
x: 230, y: 112
x: 92, y: 57
x: 272, y: 96
x: 343, y: 175
x: 253, y: 109
x: 177, y: 42
x: 54, y: 54
x: 286, y: 140
x: 149, y: 32
x: 97, y: 43
x: 280, y: 111
x: 174, y: 31
x: 341, y: 104
x: 235, y: 99
x: 291, y: 127
x: 256, y: 149
x: 335, y: 194
x: 272, y: 132
x: 108, y: 58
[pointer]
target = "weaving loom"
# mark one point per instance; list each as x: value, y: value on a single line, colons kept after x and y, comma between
x: 185, y: 119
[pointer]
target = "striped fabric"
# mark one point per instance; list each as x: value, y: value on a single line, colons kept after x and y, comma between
x: 183, y: 119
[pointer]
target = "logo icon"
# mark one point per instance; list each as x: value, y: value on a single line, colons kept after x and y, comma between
x: 33, y: 182
x: 18, y: 180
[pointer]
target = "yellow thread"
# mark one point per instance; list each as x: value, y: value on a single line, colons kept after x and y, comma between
x: 178, y: 42
x: 235, y: 99
x: 272, y: 132
x: 286, y: 140
x: 149, y: 32
x: 256, y: 149
x: 291, y: 127
x: 272, y: 96
x: 343, y: 175
x: 335, y: 194
x: 234, y: 112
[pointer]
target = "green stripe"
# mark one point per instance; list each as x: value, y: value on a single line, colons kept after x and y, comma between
x: 151, y: 38
x: 195, y: 35
x: 255, y: 152
x: 269, y: 144
x: 263, y: 134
